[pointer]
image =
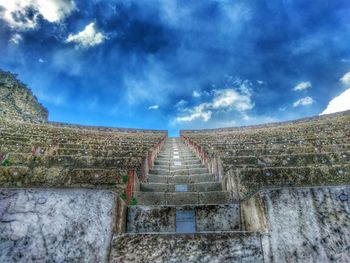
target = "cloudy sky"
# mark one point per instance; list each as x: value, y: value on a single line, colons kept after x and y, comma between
x: 179, y: 64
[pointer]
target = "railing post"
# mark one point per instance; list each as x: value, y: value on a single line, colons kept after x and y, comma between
x: 130, y: 185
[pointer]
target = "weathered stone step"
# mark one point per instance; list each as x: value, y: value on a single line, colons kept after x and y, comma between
x: 178, y: 179
x: 183, y: 171
x: 148, y: 219
x: 172, y: 166
x: 205, y: 248
x: 291, y: 160
x: 167, y: 162
x: 180, y: 158
x: 193, y: 187
x: 171, y: 154
x: 183, y: 198
x: 170, y: 150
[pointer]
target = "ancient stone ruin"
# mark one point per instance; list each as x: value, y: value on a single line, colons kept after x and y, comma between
x: 17, y: 101
x: 268, y: 193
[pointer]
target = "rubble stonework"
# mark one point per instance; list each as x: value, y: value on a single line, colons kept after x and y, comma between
x: 17, y: 102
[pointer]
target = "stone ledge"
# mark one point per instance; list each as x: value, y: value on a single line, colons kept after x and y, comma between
x: 205, y: 248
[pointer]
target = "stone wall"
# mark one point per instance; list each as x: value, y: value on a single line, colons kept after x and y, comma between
x: 17, y: 102
x: 204, y: 248
x: 55, y: 225
x: 301, y: 224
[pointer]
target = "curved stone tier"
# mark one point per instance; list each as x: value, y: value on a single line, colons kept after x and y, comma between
x: 46, y: 155
x: 307, y: 152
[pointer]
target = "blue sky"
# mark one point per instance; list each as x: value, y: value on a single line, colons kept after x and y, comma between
x: 179, y: 64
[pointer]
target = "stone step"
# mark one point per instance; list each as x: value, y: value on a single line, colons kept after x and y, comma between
x: 183, y: 171
x: 181, y: 154
x: 225, y: 247
x: 179, y: 150
x: 172, y: 160
x: 172, y: 166
x: 157, y: 219
x: 167, y: 162
x: 183, y: 198
x: 194, y: 187
x: 179, y: 179
x: 194, y: 158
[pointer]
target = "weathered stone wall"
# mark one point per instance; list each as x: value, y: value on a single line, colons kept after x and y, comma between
x: 301, y: 224
x: 204, y: 248
x: 17, y: 102
x: 52, y: 225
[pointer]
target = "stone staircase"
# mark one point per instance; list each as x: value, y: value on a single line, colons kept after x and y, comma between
x: 183, y: 215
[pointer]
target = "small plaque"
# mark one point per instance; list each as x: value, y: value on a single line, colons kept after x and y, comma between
x: 176, y: 153
x: 181, y: 188
x: 185, y: 221
x: 176, y: 157
x: 177, y: 163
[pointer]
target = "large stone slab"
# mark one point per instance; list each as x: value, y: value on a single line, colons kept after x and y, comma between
x: 62, y: 225
x: 204, y: 248
x: 313, y: 224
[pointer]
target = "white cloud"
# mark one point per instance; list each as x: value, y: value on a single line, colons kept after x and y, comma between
x: 303, y: 102
x: 198, y: 112
x: 180, y: 104
x: 23, y: 14
x: 196, y: 94
x: 346, y: 79
x: 238, y: 99
x: 339, y: 103
x: 89, y: 37
x: 302, y: 86
x: 227, y: 98
x: 40, y: 60
x: 55, y: 10
x: 153, y: 107
x: 16, y: 38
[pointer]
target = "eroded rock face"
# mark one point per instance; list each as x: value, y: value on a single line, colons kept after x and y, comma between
x: 41, y: 225
x: 17, y: 102
x: 304, y: 224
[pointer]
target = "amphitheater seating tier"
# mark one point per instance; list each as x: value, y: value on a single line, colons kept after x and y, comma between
x: 313, y: 151
x: 62, y: 155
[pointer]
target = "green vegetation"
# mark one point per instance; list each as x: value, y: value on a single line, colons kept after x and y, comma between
x: 5, y: 162
x: 133, y: 201
x: 123, y: 196
x: 125, y: 179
